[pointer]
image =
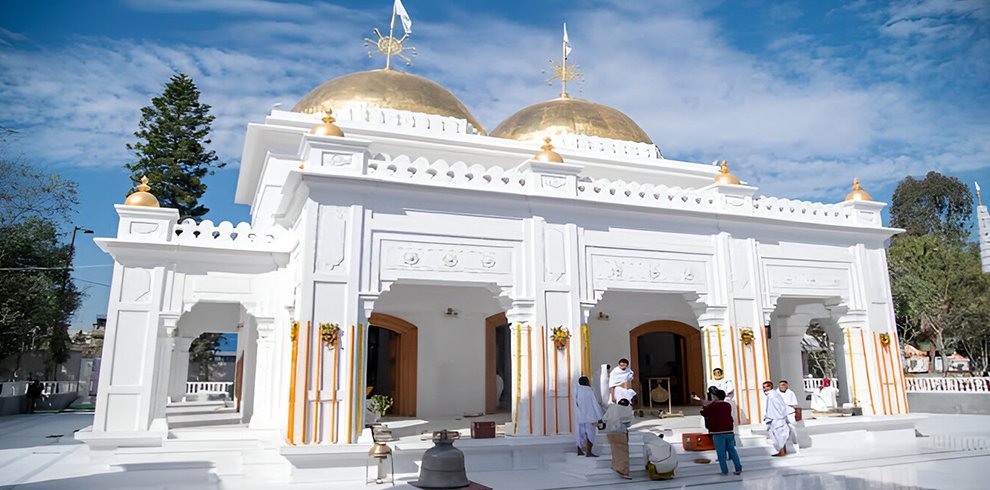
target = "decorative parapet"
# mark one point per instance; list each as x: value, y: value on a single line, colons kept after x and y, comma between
x: 608, y: 146
x: 225, y: 235
x: 710, y: 199
x: 362, y: 113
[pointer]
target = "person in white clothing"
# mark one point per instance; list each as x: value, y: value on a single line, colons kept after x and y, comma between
x: 588, y: 412
x: 620, y: 377
x: 790, y: 399
x: 721, y: 382
x: 779, y: 422
x: 825, y: 398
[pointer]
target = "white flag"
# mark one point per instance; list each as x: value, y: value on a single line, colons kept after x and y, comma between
x: 977, y: 184
x: 567, y: 42
x: 400, y: 10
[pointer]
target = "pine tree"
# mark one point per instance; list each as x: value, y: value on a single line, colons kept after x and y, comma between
x: 171, y: 147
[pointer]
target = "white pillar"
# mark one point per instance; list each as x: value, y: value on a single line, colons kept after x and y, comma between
x: 180, y: 369
x: 264, y: 397
x: 521, y: 321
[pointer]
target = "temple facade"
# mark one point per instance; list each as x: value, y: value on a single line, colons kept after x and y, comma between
x: 397, y: 248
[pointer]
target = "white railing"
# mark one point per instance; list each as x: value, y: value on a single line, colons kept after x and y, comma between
x: 210, y: 388
x: 948, y: 385
x: 19, y: 388
x: 400, y: 168
x: 225, y: 234
x: 812, y: 384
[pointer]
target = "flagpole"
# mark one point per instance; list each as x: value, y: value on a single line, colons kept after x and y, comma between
x: 563, y: 66
x: 391, y: 27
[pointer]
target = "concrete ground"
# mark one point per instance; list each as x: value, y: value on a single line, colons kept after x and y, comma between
x: 38, y: 452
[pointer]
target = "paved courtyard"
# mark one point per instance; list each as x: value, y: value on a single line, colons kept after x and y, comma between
x: 954, y: 454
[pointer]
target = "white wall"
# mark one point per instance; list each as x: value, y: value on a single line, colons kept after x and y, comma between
x: 451, y: 357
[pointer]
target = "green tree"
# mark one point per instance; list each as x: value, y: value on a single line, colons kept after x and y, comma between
x: 33, y: 258
x: 938, y: 204
x: 933, y: 279
x: 171, y: 149
x: 203, y: 350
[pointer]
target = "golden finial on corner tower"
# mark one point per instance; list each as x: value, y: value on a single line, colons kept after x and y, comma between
x: 142, y: 197
x: 858, y: 194
x: 724, y: 176
x: 327, y: 128
x: 548, y: 155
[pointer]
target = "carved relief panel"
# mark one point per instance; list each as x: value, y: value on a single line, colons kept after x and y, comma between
x: 649, y: 270
x: 401, y: 259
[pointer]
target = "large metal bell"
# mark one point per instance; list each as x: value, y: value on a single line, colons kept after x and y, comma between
x: 443, y: 464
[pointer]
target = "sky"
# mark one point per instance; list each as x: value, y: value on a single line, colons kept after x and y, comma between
x: 799, y: 97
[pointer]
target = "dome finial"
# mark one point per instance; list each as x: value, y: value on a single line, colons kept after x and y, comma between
x: 142, y: 197
x: 328, y: 128
x: 564, y: 72
x: 858, y: 194
x: 548, y: 155
x: 724, y: 176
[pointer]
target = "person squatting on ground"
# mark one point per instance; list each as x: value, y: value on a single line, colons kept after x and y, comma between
x: 589, y: 413
x: 661, y: 459
x: 718, y: 420
x: 617, y: 420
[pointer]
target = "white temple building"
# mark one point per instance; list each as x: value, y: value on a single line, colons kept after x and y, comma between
x: 403, y: 250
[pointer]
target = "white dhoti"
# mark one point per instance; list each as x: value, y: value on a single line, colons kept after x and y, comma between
x: 781, y: 433
x: 779, y: 420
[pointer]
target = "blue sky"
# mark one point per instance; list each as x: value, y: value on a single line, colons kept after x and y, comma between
x: 800, y: 97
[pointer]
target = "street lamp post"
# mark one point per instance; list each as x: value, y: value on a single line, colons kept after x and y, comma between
x: 64, y: 324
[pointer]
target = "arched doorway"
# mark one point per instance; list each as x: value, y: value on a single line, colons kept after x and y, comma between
x: 667, y: 348
x: 498, y: 364
x: 392, y: 361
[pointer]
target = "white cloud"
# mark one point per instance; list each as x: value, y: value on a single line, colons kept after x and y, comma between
x: 799, y: 122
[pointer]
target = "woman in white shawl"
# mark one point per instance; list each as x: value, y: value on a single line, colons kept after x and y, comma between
x: 779, y: 427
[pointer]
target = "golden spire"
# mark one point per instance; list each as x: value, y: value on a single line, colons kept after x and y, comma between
x: 564, y: 72
x: 858, y: 194
x: 142, y: 197
x: 724, y: 177
x: 390, y: 45
x: 548, y: 155
x: 328, y: 128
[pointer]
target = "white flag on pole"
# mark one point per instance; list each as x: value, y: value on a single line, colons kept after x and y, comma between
x: 977, y: 186
x: 567, y: 42
x: 400, y: 10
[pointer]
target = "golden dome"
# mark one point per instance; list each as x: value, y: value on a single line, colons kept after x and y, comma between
x: 566, y: 115
x: 142, y: 197
x: 724, y: 176
x: 858, y: 194
x: 548, y: 155
x: 327, y: 127
x: 387, y: 89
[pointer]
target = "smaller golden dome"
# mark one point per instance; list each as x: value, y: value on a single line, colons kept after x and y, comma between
x: 548, y: 155
x: 328, y: 128
x: 142, y: 197
x: 858, y: 194
x: 724, y: 177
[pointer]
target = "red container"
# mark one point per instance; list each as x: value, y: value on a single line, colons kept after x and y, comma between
x: 697, y: 441
x: 482, y: 430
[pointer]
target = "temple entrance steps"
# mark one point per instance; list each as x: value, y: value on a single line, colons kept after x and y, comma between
x: 753, y: 453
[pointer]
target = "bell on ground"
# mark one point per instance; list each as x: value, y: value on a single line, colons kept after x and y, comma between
x: 443, y: 464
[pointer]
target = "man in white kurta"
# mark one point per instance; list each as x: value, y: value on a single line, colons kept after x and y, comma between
x: 780, y: 428
x: 588, y: 412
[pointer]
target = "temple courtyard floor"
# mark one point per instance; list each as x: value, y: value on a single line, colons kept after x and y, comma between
x: 947, y: 452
